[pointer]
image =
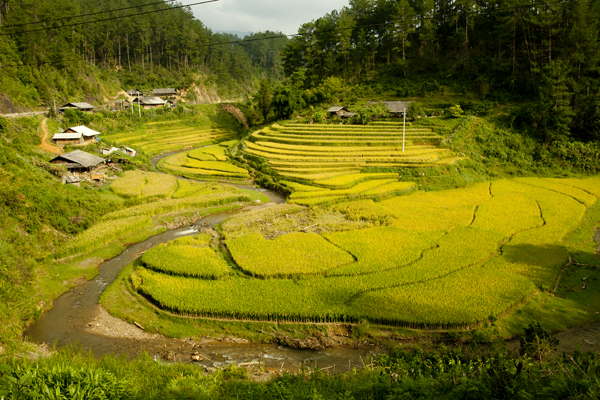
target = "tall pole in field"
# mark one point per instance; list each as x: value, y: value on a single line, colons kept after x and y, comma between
x: 403, y: 129
x: 140, y: 108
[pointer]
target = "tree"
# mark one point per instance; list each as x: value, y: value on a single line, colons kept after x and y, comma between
x: 416, y: 110
x: 346, y: 24
x: 404, y: 15
x: 370, y: 112
x: 455, y: 111
x: 554, y: 106
x: 264, y: 99
x: 586, y: 124
x: 286, y: 100
x: 331, y: 89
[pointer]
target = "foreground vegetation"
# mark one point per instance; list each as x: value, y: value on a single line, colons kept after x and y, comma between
x: 401, y: 374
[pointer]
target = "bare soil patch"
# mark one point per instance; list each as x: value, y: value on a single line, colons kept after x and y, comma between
x: 45, y: 144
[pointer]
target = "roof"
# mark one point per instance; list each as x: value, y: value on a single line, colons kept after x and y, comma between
x: 83, y: 106
x: 149, y: 101
x: 394, y: 106
x: 347, y: 114
x: 336, y: 109
x: 134, y: 91
x: 84, y: 130
x: 81, y: 157
x: 162, y: 92
x: 66, y: 136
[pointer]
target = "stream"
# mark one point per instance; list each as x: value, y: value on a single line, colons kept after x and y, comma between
x: 75, y: 315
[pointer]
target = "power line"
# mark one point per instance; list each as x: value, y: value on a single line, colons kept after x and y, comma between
x: 287, y: 36
x: 110, y: 19
x: 87, y: 15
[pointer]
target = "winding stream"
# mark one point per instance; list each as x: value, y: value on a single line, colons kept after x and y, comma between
x: 74, y: 314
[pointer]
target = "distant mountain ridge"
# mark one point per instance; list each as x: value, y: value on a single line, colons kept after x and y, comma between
x: 239, y: 34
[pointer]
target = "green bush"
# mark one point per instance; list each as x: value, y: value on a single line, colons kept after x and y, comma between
x: 3, y: 125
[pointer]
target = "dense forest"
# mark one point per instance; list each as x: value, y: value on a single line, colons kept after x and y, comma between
x: 76, y: 49
x: 544, y: 55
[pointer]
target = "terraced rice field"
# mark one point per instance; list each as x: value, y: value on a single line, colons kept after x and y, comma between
x: 435, y: 260
x: 168, y: 136
x: 161, y: 195
x: 205, y: 163
x: 144, y: 185
x: 332, y: 156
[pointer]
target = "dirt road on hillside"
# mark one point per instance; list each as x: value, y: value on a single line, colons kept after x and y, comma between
x: 46, y: 145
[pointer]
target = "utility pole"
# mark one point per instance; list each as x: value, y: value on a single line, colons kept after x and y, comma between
x: 140, y: 108
x: 403, y: 129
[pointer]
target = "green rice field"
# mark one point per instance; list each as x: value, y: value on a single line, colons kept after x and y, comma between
x: 427, y: 260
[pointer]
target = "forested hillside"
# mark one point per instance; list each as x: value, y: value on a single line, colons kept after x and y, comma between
x: 75, y: 50
x: 543, y: 56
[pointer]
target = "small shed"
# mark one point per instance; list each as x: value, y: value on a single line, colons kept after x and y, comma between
x: 76, y: 135
x: 85, y: 107
x: 340, y: 112
x: 129, y: 151
x: 135, y: 93
x: 150, y: 102
x: 168, y: 92
x: 396, y: 107
x: 78, y: 161
x: 105, y: 151
x: 337, y: 110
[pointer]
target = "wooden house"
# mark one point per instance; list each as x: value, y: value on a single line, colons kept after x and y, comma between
x: 76, y: 135
x: 340, y: 111
x: 396, y: 107
x: 165, y: 93
x: 150, y: 102
x: 85, y: 107
x: 78, y: 161
x: 337, y: 110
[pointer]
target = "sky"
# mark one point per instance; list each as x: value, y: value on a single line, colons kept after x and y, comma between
x: 262, y: 15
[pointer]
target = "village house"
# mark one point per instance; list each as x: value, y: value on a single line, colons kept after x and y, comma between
x: 78, y: 161
x: 165, y: 93
x: 150, y: 102
x: 85, y: 107
x: 396, y: 107
x: 76, y: 135
x: 340, y: 112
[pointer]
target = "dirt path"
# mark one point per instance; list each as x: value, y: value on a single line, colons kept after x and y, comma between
x: 46, y: 145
